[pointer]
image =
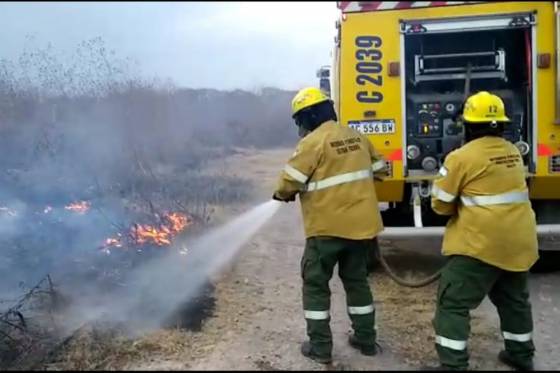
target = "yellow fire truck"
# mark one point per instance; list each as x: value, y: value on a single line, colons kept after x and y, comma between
x: 401, y: 71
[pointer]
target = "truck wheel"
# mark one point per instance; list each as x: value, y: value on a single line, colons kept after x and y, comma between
x: 549, y: 261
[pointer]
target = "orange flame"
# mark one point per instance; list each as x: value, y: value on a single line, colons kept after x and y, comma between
x: 149, y: 234
x: 78, y: 207
x: 141, y: 234
x: 178, y: 222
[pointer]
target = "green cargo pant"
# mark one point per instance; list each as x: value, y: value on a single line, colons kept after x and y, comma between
x: 317, y: 265
x: 464, y: 284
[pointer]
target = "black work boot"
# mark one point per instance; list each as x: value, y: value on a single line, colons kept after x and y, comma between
x: 368, y: 350
x: 308, y: 352
x: 506, y: 358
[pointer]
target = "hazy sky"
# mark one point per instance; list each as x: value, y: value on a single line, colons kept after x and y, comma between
x: 196, y: 44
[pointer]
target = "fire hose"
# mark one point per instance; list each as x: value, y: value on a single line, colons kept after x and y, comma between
x: 378, y: 252
x: 411, y: 284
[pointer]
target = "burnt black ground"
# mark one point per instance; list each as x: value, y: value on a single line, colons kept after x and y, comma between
x: 191, y: 314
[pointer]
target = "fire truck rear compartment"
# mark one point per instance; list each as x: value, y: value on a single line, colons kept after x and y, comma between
x: 441, y: 69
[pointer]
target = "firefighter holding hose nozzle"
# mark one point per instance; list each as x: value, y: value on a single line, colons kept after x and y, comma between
x: 333, y: 171
x: 490, y: 239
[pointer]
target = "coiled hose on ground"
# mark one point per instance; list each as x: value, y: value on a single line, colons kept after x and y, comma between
x: 411, y: 284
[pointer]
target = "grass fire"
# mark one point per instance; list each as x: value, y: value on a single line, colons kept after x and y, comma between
x: 108, y: 162
x: 143, y: 234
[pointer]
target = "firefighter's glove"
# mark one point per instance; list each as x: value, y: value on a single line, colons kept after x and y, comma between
x: 289, y: 199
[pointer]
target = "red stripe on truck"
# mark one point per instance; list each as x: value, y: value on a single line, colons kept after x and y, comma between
x: 365, y: 6
x: 404, y: 5
x: 395, y: 156
x: 544, y: 151
x: 369, y: 5
x: 343, y: 4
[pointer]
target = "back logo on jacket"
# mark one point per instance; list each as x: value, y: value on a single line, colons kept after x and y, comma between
x: 346, y: 145
x: 510, y: 160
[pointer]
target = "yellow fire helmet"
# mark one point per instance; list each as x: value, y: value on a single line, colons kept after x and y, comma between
x: 307, y: 97
x: 484, y: 107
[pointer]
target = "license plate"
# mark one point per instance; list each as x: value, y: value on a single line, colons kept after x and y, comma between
x: 373, y: 127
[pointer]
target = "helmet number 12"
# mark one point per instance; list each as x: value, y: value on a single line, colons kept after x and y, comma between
x: 369, y: 68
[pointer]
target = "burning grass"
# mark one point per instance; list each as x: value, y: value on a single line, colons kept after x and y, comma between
x: 146, y: 230
x: 112, y: 163
x: 144, y: 234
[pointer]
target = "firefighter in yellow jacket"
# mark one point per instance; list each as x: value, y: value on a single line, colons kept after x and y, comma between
x: 491, y: 237
x: 333, y: 170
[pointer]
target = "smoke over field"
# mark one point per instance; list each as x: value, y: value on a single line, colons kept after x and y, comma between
x: 103, y: 173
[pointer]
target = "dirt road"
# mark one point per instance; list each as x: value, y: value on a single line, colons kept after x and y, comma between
x: 258, y: 322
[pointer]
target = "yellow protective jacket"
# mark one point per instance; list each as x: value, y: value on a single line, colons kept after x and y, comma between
x: 333, y: 170
x: 482, y: 185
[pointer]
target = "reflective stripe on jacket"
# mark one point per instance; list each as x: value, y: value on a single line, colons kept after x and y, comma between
x: 332, y: 169
x: 482, y: 185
